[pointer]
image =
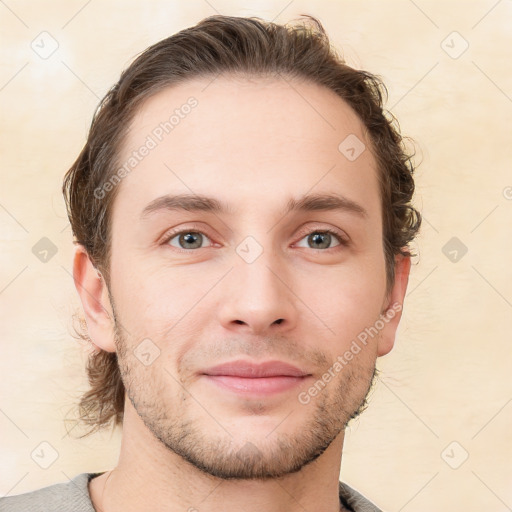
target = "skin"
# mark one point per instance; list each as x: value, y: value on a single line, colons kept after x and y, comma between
x: 187, y: 444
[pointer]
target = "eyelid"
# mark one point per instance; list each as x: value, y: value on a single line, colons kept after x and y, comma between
x: 343, y: 239
x: 171, y: 233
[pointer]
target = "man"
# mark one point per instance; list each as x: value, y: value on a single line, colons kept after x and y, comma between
x: 242, y: 209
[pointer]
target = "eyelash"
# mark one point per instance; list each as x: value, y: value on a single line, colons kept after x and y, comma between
x: 170, y: 235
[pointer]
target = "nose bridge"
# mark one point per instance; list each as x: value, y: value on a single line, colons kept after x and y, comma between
x: 257, y: 295
x: 256, y: 269
x: 259, y: 275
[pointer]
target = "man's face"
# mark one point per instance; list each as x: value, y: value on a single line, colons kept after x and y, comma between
x: 252, y: 283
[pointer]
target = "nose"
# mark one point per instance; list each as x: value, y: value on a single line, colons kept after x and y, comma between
x: 257, y: 299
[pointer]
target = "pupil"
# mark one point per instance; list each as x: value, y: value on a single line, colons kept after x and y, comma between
x: 322, y: 236
x: 188, y: 238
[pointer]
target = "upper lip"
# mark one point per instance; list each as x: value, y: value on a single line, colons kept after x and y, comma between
x: 240, y: 368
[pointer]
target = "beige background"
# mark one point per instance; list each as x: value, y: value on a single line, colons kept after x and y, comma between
x: 448, y: 378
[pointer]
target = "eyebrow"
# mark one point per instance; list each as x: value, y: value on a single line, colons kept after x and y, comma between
x: 198, y: 202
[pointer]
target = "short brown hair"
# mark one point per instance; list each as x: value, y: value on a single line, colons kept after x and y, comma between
x: 230, y: 46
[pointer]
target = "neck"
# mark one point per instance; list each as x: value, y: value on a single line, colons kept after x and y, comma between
x: 151, y: 477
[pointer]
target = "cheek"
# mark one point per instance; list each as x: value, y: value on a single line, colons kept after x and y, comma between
x: 347, y: 299
x: 162, y: 304
x: 341, y: 300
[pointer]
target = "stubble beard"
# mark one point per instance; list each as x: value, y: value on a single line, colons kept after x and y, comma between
x: 228, y: 458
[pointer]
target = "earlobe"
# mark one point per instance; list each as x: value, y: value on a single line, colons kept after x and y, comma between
x: 391, y: 317
x: 93, y: 292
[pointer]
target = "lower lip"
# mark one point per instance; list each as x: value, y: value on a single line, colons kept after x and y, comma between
x: 256, y: 386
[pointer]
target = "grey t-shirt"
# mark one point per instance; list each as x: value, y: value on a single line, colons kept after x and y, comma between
x: 73, y: 496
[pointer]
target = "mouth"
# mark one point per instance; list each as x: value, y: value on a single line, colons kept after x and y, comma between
x: 248, y: 378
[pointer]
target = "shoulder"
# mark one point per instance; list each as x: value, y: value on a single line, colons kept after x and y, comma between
x: 72, y: 496
x: 355, y: 501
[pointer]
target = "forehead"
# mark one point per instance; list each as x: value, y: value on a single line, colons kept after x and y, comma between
x: 251, y: 143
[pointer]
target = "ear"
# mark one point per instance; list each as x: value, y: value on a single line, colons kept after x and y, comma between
x: 93, y: 292
x: 394, y: 305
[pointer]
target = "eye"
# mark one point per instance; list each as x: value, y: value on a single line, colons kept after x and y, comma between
x: 186, y: 240
x: 322, y: 238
